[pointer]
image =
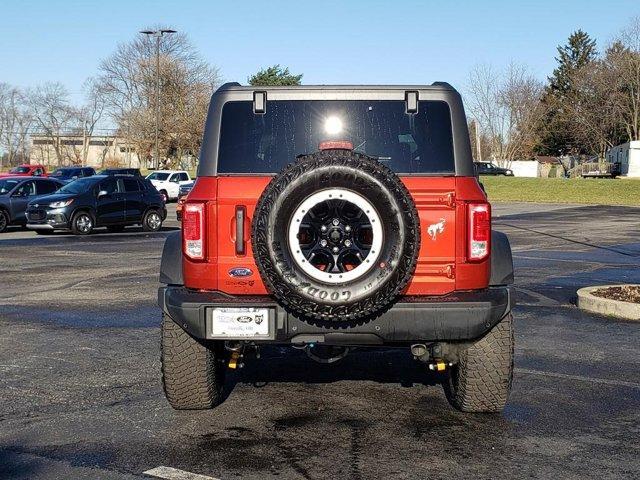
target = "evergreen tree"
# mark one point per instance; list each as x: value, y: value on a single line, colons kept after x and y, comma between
x: 275, y: 75
x: 578, y: 52
x: 556, y: 135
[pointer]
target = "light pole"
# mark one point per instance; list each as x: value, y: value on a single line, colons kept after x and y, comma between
x: 158, y: 35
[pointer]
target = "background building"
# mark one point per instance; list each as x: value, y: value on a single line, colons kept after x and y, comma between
x: 92, y: 151
x: 628, y: 156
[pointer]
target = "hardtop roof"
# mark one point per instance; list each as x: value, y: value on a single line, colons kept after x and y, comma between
x: 235, y: 86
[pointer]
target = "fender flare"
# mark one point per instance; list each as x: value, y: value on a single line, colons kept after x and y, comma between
x: 501, y: 260
x: 171, y: 263
x: 87, y: 209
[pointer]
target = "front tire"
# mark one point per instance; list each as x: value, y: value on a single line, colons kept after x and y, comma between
x: 481, y: 381
x: 192, y: 372
x: 82, y: 223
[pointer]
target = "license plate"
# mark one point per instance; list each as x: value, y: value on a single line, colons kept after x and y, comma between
x: 240, y: 322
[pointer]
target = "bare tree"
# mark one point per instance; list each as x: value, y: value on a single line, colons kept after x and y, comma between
x: 480, y: 142
x: 127, y: 79
x: 86, y: 118
x: 52, y: 114
x: 593, y: 106
x: 14, y: 124
x: 506, y: 106
x: 626, y: 62
x: 604, y: 105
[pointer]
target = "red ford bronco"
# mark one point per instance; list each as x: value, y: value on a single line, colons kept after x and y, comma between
x: 335, y: 217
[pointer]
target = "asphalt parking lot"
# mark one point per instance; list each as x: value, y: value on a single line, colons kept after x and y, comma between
x: 81, y: 397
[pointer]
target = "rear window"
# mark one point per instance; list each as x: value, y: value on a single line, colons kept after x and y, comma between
x: 266, y: 143
x: 131, y: 185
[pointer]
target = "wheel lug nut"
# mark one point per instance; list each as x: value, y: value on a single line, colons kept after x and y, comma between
x: 347, y: 243
x: 336, y: 222
x: 323, y: 228
x: 336, y: 249
x: 323, y: 242
x: 347, y: 228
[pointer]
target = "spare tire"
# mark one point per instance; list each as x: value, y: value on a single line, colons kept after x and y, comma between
x: 335, y: 236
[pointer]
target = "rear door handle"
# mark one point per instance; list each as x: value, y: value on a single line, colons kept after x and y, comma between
x: 241, y: 212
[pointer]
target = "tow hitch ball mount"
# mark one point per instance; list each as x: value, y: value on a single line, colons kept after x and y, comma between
x: 432, y: 355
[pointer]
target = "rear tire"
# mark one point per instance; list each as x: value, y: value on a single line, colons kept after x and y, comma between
x: 192, y: 371
x: 82, y: 223
x: 152, y: 221
x: 481, y: 381
x: 4, y: 221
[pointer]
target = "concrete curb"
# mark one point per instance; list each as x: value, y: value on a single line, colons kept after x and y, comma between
x: 604, y: 306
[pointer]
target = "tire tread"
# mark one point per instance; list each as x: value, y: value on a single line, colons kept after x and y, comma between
x: 191, y: 374
x: 483, y: 377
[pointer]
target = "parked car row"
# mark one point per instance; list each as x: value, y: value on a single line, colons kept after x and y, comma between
x: 79, y: 199
x: 112, y: 201
x: 99, y: 201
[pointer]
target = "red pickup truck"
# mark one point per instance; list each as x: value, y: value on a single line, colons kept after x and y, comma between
x: 26, y: 170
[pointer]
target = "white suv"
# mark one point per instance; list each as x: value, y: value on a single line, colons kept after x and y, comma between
x: 168, y: 182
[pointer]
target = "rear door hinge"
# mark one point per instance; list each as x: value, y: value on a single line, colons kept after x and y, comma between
x: 449, y: 199
x: 449, y: 270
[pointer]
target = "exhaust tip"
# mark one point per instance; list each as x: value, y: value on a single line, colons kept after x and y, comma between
x: 419, y: 350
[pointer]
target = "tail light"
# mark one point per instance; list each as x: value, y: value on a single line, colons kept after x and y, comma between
x: 479, y: 230
x: 193, y: 230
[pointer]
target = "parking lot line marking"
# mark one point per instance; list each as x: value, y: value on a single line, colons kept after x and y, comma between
x: 544, y: 301
x: 577, y: 242
x: 603, y: 381
x: 548, y: 259
x: 170, y: 473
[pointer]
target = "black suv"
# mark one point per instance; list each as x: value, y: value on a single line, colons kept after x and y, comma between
x: 69, y: 174
x: 488, y: 168
x: 99, y: 201
x: 17, y: 192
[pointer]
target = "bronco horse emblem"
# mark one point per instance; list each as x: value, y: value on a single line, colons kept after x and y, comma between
x: 436, y: 228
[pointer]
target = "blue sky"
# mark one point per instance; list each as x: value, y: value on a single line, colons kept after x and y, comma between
x: 330, y: 42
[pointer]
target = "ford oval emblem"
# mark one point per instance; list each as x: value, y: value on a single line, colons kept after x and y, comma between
x: 240, y: 272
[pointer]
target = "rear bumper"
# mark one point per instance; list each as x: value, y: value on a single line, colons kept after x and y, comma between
x: 460, y: 316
